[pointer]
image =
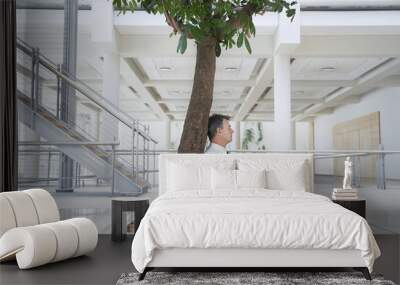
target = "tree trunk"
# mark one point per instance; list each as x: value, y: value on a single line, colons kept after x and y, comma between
x: 194, y: 135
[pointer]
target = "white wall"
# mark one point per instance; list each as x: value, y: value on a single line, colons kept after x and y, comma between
x: 176, y: 133
x: 158, y: 131
x: 302, y: 138
x: 387, y: 102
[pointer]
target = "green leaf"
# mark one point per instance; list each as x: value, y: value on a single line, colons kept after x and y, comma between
x: 194, y: 21
x: 117, y: 3
x: 197, y: 34
x: 132, y: 5
x: 210, y: 19
x: 182, y: 44
x: 240, y: 40
x: 252, y: 28
x: 247, y: 44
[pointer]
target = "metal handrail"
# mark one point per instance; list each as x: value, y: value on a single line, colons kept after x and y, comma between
x: 55, y: 143
x: 85, y: 90
x: 73, y: 124
x: 353, y: 154
x: 320, y: 151
x: 325, y: 152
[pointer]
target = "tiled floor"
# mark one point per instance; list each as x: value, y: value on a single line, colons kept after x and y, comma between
x: 110, y: 259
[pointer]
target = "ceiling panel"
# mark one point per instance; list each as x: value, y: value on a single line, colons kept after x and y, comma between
x: 332, y: 68
x: 269, y: 106
x: 182, y: 68
x: 184, y: 93
x: 44, y: 29
x: 132, y: 106
x: 306, y: 92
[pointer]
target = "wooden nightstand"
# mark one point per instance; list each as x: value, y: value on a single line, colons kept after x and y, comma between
x: 120, y: 205
x: 357, y: 206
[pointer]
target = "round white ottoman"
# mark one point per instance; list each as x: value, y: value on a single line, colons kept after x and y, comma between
x: 51, y: 242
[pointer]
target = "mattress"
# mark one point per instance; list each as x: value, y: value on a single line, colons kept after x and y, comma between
x: 250, y: 219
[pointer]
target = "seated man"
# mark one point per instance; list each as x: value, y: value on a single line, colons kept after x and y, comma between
x: 219, y: 133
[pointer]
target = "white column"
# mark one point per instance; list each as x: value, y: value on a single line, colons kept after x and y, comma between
x: 236, y: 135
x: 168, y: 134
x: 282, y: 104
x: 311, y: 137
x: 102, y: 24
x: 293, y: 130
x: 106, y: 39
x: 111, y: 89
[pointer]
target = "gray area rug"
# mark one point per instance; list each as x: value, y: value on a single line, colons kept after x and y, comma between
x: 269, y: 278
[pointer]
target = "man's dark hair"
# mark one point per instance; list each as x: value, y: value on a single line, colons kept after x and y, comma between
x: 215, y: 122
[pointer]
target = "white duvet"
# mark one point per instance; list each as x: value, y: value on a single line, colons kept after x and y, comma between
x: 253, y: 218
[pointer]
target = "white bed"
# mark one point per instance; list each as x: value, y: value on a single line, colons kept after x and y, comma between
x: 198, y: 222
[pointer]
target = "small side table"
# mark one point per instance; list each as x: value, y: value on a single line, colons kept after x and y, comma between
x: 124, y: 204
x: 357, y: 206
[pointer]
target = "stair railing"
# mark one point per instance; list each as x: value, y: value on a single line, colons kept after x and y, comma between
x: 140, y: 141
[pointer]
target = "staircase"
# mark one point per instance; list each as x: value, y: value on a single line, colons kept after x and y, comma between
x: 40, y: 111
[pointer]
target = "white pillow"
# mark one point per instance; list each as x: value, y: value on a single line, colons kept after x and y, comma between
x: 282, y: 174
x: 251, y: 178
x: 223, y: 179
x: 290, y: 176
x: 194, y: 174
x: 182, y: 177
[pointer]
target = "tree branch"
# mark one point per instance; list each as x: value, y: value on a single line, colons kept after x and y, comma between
x: 170, y: 20
x: 174, y: 24
x: 247, y: 10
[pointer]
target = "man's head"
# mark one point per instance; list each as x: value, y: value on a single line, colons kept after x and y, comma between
x: 219, y: 129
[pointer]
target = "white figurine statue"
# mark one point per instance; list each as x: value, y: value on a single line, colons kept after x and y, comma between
x: 348, y: 173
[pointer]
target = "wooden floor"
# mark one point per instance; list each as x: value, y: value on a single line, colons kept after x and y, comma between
x: 111, y: 259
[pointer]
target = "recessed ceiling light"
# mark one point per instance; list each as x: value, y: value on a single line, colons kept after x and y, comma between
x: 231, y: 68
x: 174, y: 93
x: 328, y: 68
x: 165, y: 68
x: 299, y: 92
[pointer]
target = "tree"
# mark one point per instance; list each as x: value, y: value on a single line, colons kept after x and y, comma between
x: 213, y: 25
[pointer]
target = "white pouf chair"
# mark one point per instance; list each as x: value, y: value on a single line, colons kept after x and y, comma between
x: 31, y: 230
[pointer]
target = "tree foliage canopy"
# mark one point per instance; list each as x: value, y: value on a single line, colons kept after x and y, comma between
x: 227, y: 22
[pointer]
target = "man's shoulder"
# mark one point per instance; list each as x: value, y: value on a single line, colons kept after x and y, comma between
x: 209, y: 150
x: 215, y: 149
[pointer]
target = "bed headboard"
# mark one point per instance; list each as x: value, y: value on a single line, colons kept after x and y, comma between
x: 211, y: 159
